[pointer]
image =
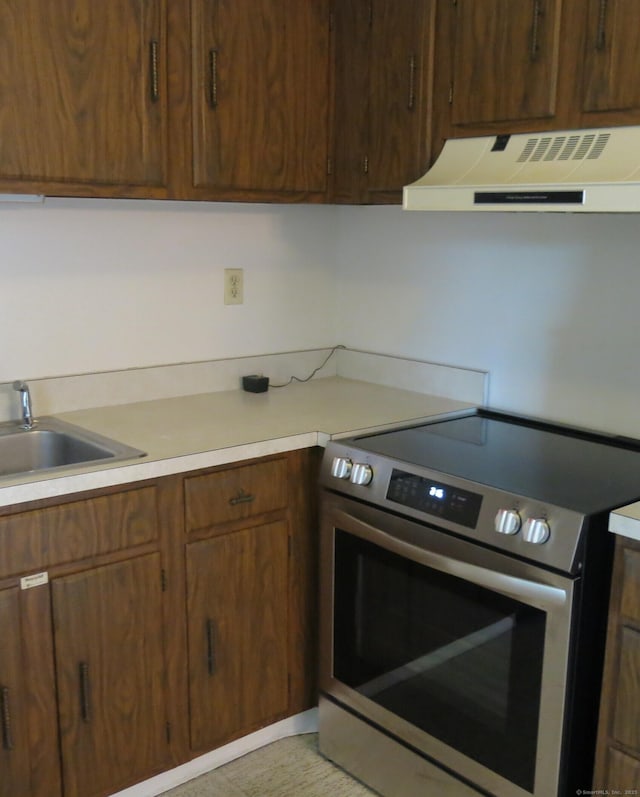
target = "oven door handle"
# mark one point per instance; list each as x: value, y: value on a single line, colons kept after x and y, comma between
x: 534, y: 593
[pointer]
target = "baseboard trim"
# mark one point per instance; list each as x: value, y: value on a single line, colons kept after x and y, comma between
x: 306, y: 722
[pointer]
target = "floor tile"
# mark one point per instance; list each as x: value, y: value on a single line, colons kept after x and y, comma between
x: 290, y: 767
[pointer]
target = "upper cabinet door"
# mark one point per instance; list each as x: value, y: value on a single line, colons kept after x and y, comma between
x: 260, y: 98
x: 611, y: 58
x: 505, y: 60
x: 399, y: 92
x: 382, y: 95
x: 83, y: 92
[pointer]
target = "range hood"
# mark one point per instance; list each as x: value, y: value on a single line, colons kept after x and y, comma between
x: 575, y: 171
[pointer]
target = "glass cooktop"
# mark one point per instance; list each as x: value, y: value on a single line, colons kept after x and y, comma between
x: 570, y: 468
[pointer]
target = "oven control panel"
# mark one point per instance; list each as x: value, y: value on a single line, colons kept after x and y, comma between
x: 434, y: 498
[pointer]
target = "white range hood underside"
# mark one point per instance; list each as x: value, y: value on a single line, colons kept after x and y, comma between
x: 575, y: 171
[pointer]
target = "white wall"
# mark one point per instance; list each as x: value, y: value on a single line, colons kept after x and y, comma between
x: 549, y: 304
x: 94, y: 285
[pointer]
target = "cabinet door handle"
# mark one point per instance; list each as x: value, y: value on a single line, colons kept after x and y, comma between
x: 602, y: 26
x: 85, y: 708
x: 5, y: 713
x: 213, y: 77
x: 210, y: 630
x: 411, y: 103
x: 242, y: 498
x: 535, y: 29
x: 153, y: 64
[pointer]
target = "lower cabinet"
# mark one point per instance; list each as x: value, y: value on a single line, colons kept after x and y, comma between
x: 83, y: 698
x: 238, y: 632
x: 17, y: 754
x: 144, y: 626
x: 618, y: 750
x: 109, y: 655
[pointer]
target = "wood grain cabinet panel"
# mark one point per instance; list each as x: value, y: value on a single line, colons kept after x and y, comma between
x: 626, y: 719
x: 611, y: 57
x: 15, y: 753
x: 260, y: 95
x: 46, y: 537
x: 238, y: 632
x: 505, y: 60
x: 111, y: 690
x: 618, y: 749
x: 84, y: 94
x: 29, y: 749
x: 235, y: 493
x: 382, y: 97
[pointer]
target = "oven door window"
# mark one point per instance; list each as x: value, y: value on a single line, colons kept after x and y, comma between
x: 461, y: 662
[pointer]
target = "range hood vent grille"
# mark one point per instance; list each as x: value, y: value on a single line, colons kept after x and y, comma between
x: 577, y: 171
x: 564, y: 147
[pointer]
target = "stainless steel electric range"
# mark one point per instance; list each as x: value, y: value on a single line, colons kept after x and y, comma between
x: 465, y: 568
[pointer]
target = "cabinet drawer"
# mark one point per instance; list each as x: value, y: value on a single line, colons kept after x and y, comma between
x: 630, y: 601
x: 626, y: 728
x: 45, y: 537
x: 235, y: 494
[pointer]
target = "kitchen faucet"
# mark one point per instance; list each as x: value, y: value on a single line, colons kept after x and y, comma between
x: 25, y: 402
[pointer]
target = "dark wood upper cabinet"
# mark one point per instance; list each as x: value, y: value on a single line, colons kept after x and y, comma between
x: 608, y: 89
x: 260, y: 74
x: 83, y: 92
x: 382, y: 97
x: 498, y: 66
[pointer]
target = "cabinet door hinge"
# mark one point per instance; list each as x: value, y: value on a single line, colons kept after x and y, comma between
x: 168, y: 732
x: 365, y: 164
x: 329, y: 166
x: 331, y: 21
x: 163, y: 580
x: 451, y: 94
x: 370, y: 13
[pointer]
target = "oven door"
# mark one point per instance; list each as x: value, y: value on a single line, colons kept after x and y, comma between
x: 460, y: 652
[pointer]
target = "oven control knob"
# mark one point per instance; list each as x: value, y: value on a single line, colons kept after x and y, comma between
x: 507, y: 521
x: 536, y: 530
x: 341, y: 467
x: 361, y: 473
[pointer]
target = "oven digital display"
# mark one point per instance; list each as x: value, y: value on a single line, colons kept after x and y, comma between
x: 434, y: 498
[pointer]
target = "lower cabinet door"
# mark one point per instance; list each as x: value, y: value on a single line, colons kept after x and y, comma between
x: 238, y: 632
x: 29, y: 753
x: 15, y: 769
x: 110, y: 675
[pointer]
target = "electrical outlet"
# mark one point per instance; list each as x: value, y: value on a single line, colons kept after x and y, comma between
x: 233, y: 286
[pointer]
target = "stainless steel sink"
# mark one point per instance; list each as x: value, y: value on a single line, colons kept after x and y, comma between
x: 52, y: 444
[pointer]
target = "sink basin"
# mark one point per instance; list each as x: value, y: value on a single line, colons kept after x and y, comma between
x: 52, y: 444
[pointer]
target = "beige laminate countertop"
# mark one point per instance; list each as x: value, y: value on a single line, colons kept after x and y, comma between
x: 204, y: 430
x: 626, y: 521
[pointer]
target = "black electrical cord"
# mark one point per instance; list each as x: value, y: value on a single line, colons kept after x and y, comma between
x: 314, y: 372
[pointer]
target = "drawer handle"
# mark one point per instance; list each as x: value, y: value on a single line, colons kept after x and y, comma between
x: 211, y: 658
x: 411, y: 103
x: 213, y: 78
x: 602, y: 26
x: 535, y: 29
x: 5, y: 711
x: 242, y: 498
x: 153, y: 57
x: 85, y: 710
